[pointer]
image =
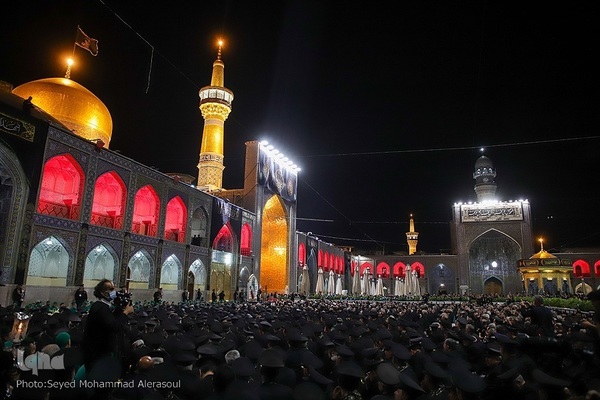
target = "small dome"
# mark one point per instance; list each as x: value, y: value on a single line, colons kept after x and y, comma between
x: 543, y: 254
x: 483, y: 162
x: 72, y: 104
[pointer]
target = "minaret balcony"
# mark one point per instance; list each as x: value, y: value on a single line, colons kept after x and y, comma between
x: 217, y: 94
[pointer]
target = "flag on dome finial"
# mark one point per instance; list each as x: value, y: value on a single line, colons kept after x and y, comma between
x: 86, y: 42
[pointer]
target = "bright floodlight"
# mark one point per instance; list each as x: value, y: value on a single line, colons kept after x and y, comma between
x: 69, y: 61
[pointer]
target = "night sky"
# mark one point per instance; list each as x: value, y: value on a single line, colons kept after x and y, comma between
x: 384, y: 108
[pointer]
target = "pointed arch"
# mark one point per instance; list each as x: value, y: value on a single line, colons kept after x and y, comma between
x: 320, y: 258
x: 108, y: 205
x: 170, y: 273
x: 492, y: 285
x: 326, y: 260
x: 140, y: 265
x: 246, y: 240
x: 383, y: 269
x: 145, y: 212
x: 364, y: 266
x: 274, y: 246
x: 49, y: 263
x: 61, y: 187
x: 100, y: 263
x: 399, y: 270
x: 175, y: 220
x: 222, y: 261
x: 302, y: 254
x: 597, y: 269
x: 420, y: 268
x: 198, y: 225
x: 581, y: 269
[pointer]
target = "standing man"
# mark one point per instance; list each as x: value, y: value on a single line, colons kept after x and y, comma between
x: 184, y: 296
x: 80, y: 297
x: 199, y: 294
x: 18, y: 296
x: 213, y: 296
x: 541, y: 316
x: 103, y: 332
x: 158, y: 296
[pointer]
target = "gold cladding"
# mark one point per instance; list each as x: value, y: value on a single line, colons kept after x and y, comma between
x: 273, y: 259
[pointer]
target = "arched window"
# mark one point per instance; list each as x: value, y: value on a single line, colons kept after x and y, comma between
x: 246, y: 240
x: 302, y: 254
x: 320, y: 258
x: 364, y: 266
x: 420, y: 268
x: 198, y: 227
x: 175, y: 220
x: 597, y: 269
x: 399, y: 270
x: 325, y: 262
x: 62, y: 185
x: 145, y: 212
x: 441, y: 270
x: 109, y: 201
x: 383, y: 269
x: 581, y: 269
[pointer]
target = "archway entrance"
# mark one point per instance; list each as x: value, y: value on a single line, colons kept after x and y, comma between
x: 492, y: 286
x: 274, y: 250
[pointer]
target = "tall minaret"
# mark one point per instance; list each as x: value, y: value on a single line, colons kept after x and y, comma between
x: 215, y: 105
x: 412, y: 237
x: 485, y: 185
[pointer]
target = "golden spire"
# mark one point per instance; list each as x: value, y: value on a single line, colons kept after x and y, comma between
x: 541, y: 240
x: 69, y: 64
x: 412, y: 237
x: 215, y: 105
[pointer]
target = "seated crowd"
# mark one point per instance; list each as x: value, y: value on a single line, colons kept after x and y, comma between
x: 314, y: 349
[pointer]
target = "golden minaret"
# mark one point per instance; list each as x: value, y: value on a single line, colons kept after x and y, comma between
x: 215, y: 105
x: 412, y: 237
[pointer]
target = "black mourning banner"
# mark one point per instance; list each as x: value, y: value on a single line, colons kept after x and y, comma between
x: 276, y: 177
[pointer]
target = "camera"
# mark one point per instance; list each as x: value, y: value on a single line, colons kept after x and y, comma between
x: 123, y: 299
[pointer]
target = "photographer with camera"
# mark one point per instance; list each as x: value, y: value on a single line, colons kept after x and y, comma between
x: 107, y: 318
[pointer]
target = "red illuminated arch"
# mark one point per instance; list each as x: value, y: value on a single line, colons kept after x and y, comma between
x: 145, y: 212
x: 399, y: 270
x: 224, y: 240
x: 383, y: 269
x: 62, y: 185
x: 352, y: 267
x: 246, y: 240
x: 420, y: 268
x: 175, y: 220
x: 581, y: 269
x: 597, y: 269
x: 364, y: 266
x: 320, y: 258
x: 108, y: 205
x: 302, y: 254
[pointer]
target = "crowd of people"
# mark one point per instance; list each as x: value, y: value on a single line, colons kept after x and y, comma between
x: 303, y: 349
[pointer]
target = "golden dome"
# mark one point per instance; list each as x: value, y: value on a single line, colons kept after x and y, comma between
x: 72, y: 104
x: 543, y: 254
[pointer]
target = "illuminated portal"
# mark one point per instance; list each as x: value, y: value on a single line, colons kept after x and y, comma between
x: 273, y: 259
x: 222, y: 261
x: 99, y: 264
x: 48, y: 264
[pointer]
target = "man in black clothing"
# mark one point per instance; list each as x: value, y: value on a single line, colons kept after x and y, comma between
x: 541, y: 316
x: 104, y: 326
x: 80, y: 297
x: 158, y: 296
